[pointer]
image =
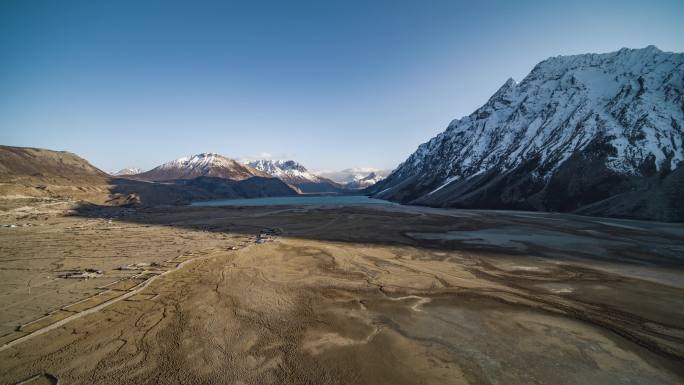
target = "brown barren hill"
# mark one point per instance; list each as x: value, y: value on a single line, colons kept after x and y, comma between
x: 25, y: 163
x: 39, y: 173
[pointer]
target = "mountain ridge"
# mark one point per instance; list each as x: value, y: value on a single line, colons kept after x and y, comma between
x: 364, y: 182
x: 27, y: 173
x: 525, y: 148
x: 296, y: 175
x: 204, y: 164
x: 356, y: 178
x: 38, y: 163
x: 127, y: 171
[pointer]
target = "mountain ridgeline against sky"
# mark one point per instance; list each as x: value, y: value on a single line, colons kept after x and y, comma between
x: 205, y: 164
x: 596, y: 134
x: 128, y: 171
x: 214, y: 165
x: 356, y: 177
x: 364, y: 182
x: 25, y: 164
x: 297, y: 176
x: 32, y: 172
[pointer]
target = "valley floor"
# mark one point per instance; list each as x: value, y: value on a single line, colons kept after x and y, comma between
x: 337, y: 295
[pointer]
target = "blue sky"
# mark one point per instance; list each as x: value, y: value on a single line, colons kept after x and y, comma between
x: 332, y: 84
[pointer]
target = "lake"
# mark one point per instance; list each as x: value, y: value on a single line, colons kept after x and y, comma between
x: 302, y: 200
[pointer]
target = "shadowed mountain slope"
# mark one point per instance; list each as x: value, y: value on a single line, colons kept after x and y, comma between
x: 597, y: 134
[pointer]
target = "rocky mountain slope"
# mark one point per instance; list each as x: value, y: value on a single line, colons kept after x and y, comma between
x: 205, y: 164
x: 596, y: 134
x: 28, y: 175
x: 24, y: 163
x: 297, y: 176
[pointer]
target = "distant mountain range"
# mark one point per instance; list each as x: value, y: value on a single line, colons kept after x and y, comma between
x: 356, y: 178
x: 289, y: 171
x: 364, y: 182
x: 297, y: 176
x: 597, y: 134
x: 128, y: 171
x: 44, y: 173
x: 205, y: 164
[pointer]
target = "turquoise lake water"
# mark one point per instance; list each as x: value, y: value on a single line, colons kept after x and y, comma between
x: 325, y: 200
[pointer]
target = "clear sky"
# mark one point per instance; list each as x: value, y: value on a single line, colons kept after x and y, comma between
x: 332, y: 84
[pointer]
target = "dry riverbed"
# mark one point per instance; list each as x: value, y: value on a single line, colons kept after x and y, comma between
x: 337, y: 295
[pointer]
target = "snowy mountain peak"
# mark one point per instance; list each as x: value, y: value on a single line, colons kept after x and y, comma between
x: 360, y: 182
x: 296, y: 175
x: 353, y: 174
x: 509, y: 84
x: 203, y: 160
x: 625, y: 108
x: 128, y: 171
x: 278, y: 166
x: 204, y: 164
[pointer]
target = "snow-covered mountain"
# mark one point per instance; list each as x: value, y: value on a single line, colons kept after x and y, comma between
x: 594, y: 133
x: 206, y: 164
x: 351, y: 175
x: 296, y: 175
x: 363, y: 182
x: 128, y: 171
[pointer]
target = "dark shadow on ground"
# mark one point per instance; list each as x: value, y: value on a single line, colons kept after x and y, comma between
x: 622, y: 257
x: 128, y: 192
x: 554, y: 236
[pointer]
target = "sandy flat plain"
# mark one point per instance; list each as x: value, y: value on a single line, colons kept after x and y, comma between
x: 339, y: 295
